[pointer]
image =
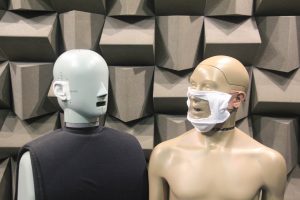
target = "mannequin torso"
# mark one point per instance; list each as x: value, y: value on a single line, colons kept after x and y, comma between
x: 235, y: 167
x: 25, y: 174
x: 97, y: 163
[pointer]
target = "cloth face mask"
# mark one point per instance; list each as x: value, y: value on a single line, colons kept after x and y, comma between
x: 218, y: 103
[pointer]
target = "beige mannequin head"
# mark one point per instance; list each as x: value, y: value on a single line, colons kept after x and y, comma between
x: 219, y: 73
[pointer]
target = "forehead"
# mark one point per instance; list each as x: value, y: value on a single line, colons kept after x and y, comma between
x: 208, y: 76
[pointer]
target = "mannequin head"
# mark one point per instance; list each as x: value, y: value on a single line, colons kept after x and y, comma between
x: 81, y: 85
x: 222, y: 74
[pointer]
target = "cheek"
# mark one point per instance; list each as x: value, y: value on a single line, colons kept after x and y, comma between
x: 206, y: 107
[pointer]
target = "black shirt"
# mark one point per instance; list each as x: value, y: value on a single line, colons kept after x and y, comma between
x: 88, y: 164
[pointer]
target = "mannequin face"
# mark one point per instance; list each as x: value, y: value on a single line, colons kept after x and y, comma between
x: 206, y: 78
x: 81, y: 83
x: 88, y: 99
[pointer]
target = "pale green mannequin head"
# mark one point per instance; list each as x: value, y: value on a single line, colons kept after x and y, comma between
x: 81, y: 86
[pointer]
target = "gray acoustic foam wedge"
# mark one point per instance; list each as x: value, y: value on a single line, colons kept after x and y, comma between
x: 280, y: 49
x: 277, y: 7
x: 235, y: 37
x: 279, y: 134
x: 30, y: 5
x: 5, y: 180
x: 179, y: 7
x: 128, y: 41
x: 170, y: 91
x: 228, y: 8
x: 292, y: 189
x: 29, y: 37
x: 171, y: 126
x: 3, y: 4
x: 142, y: 129
x: 5, y: 85
x: 130, y: 92
x: 3, y: 57
x: 81, y: 30
x: 274, y: 92
x: 15, y: 133
x: 3, y: 115
x: 92, y: 6
x: 178, y: 50
x: 130, y: 8
x: 30, y: 86
x: 245, y: 125
x: 243, y: 110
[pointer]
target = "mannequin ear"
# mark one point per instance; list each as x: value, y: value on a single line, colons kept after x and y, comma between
x: 61, y: 90
x: 241, y: 96
x: 238, y: 99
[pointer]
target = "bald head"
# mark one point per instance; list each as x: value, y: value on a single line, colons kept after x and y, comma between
x: 227, y: 73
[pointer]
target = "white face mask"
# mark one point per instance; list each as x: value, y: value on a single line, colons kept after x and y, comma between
x: 218, y: 103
